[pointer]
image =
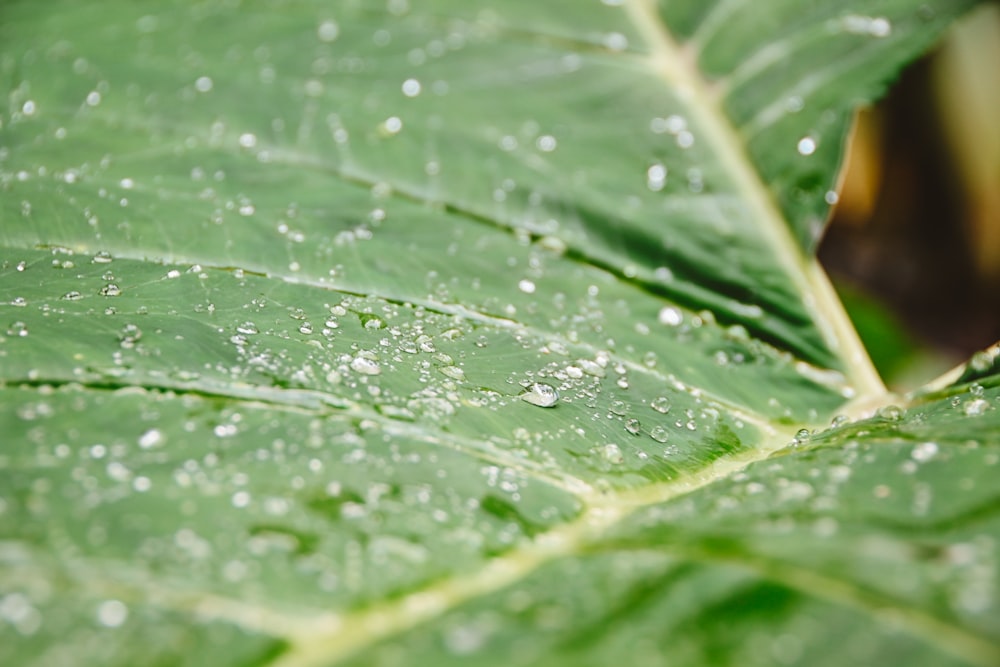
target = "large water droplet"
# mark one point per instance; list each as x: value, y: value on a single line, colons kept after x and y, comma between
x: 891, y: 413
x: 365, y: 366
x: 540, y: 394
x: 670, y: 316
x: 975, y: 407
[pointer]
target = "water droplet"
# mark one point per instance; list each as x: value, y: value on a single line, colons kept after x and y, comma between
x: 19, y: 329
x: 111, y: 289
x: 454, y: 372
x: 546, y: 143
x: 873, y: 26
x: 661, y: 404
x: 925, y: 451
x: 591, y: 368
x: 659, y: 434
x: 129, y: 336
x: 618, y: 407
x: 981, y: 361
x: 392, y: 125
x: 611, y: 453
x: 225, y: 430
x: 365, y: 366
x: 151, y: 438
x: 540, y: 394
x: 891, y: 413
x: 975, y: 407
x: 248, y: 328
x: 328, y: 31
x: 72, y: 296
x: 806, y: 146
x: 633, y: 426
x: 656, y: 177
x: 411, y: 87
x: 102, y: 257
x: 112, y: 613
x: 670, y: 316
x: 802, y: 436
x: 305, y: 328
x: 526, y: 286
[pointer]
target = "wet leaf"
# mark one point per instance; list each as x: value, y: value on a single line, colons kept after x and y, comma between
x: 284, y: 288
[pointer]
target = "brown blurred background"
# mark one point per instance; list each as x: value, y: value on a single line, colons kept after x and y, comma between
x: 914, y: 244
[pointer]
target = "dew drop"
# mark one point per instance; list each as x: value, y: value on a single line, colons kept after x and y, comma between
x: 591, y: 368
x: 806, y: 146
x: 656, y: 177
x: 454, y: 372
x: 72, y: 296
x: 112, y: 613
x: 411, y: 87
x: 925, y: 451
x: 392, y: 125
x: 102, y: 257
x: 546, y: 143
x: 151, y: 438
x: 891, y: 413
x: 618, y: 407
x: 659, y: 434
x: 328, y: 31
x: 670, y: 316
x: 129, y: 336
x: 365, y: 366
x: 633, y: 426
x: 611, y: 453
x: 541, y: 395
x: 975, y: 407
x: 18, y: 329
x: 661, y: 404
x: 111, y: 289
x: 248, y: 328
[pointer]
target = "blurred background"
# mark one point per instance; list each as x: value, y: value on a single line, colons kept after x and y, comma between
x: 914, y: 243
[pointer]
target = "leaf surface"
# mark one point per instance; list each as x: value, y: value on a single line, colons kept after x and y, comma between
x: 274, y: 278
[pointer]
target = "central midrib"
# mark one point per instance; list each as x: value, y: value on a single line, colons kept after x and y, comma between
x: 679, y: 70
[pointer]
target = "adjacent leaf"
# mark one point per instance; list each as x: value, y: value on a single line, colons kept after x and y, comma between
x: 274, y: 278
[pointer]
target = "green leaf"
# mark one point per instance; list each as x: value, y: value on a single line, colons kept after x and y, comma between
x: 279, y: 284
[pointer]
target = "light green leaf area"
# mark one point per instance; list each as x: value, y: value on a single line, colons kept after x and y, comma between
x: 276, y: 278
